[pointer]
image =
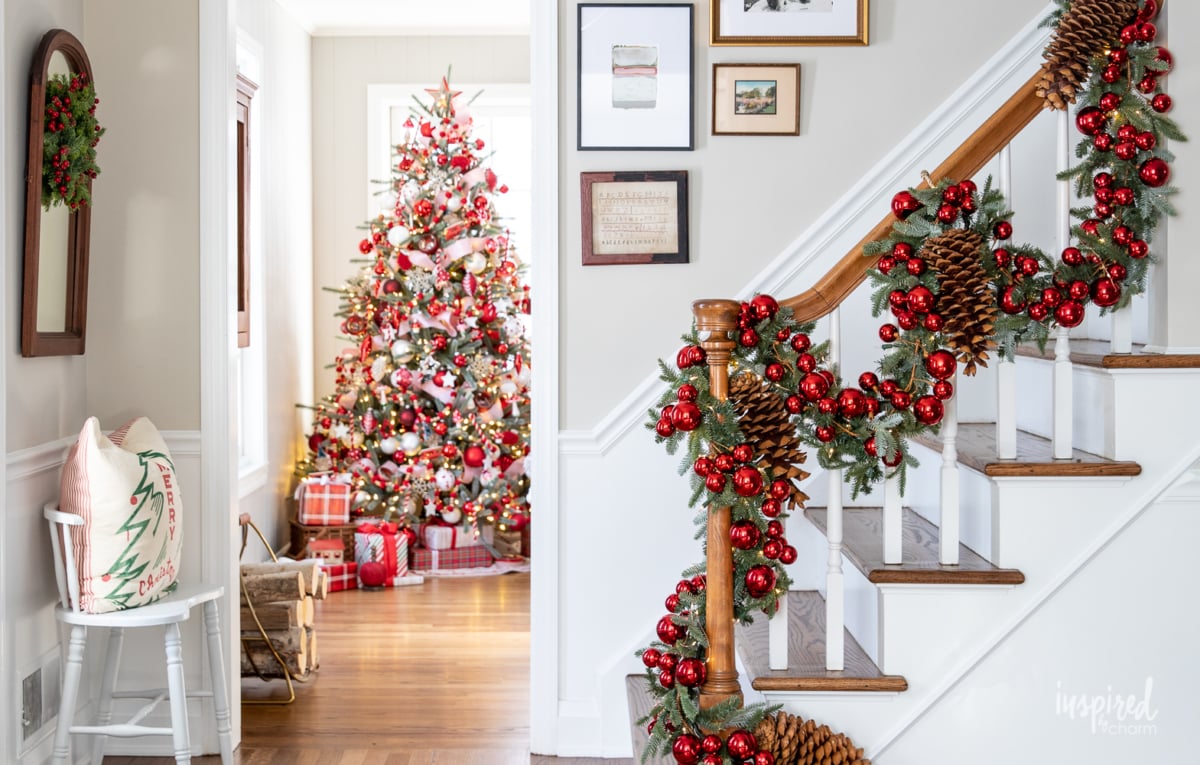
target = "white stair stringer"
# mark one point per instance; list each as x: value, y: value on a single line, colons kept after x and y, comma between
x: 1050, y: 529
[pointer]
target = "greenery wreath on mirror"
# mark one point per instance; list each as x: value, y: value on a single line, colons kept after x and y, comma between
x: 70, y: 133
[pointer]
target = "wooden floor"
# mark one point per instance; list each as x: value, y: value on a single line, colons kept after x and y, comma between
x: 435, y: 674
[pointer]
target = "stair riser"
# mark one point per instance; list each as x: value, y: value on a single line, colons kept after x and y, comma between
x: 1094, y: 392
x: 975, y: 499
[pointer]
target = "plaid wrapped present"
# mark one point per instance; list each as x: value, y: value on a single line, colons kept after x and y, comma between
x: 474, y: 556
x: 382, y: 543
x: 330, y: 551
x: 324, y: 499
x: 343, y: 576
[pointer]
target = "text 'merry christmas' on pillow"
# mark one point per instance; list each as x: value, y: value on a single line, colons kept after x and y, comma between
x: 123, y: 486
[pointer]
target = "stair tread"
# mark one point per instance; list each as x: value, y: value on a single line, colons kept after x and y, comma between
x: 806, y: 654
x: 1096, y: 353
x: 640, y: 702
x: 862, y: 540
x: 1035, y: 455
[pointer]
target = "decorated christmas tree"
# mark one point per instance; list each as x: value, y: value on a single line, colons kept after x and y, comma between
x: 430, y: 415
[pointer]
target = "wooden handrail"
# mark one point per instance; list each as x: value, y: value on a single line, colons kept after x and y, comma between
x: 968, y: 159
x: 719, y: 319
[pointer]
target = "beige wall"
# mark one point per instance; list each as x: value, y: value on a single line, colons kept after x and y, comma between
x: 283, y: 110
x: 751, y: 197
x: 342, y: 69
x: 44, y: 397
x: 144, y: 318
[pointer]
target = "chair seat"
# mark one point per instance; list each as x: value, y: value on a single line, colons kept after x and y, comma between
x: 176, y: 607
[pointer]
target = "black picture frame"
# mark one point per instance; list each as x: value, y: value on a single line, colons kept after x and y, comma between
x: 634, y: 75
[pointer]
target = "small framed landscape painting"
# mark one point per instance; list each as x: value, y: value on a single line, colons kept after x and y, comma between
x: 756, y: 99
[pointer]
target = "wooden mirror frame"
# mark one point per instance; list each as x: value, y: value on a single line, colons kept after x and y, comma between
x: 70, y: 341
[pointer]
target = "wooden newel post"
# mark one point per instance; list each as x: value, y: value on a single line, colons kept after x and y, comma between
x: 718, y: 318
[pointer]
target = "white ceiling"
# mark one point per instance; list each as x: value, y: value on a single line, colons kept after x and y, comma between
x: 410, y: 17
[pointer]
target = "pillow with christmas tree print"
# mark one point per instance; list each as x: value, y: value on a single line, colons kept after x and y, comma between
x: 124, y: 487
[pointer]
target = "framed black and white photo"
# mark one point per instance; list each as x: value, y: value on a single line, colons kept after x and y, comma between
x: 788, y: 22
x: 756, y: 99
x: 635, y: 76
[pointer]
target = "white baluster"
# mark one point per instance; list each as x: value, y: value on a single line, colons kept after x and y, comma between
x: 835, y: 589
x: 777, y: 636
x: 1006, y: 371
x: 1062, y: 345
x: 893, y: 551
x: 1122, y: 331
x: 949, y: 534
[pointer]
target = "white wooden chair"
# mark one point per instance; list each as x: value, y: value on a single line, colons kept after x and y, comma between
x: 168, y: 612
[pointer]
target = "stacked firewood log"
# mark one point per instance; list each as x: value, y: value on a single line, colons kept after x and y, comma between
x: 281, y: 596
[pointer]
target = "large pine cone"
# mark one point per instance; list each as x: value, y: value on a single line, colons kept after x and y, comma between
x: 1084, y: 31
x: 966, y: 303
x: 796, y: 741
x: 766, y: 425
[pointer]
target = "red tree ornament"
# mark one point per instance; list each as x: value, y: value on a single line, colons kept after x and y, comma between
x: 668, y: 631
x: 1106, y: 293
x: 1069, y: 314
x: 686, y: 749
x: 747, y: 481
x: 1154, y: 172
x: 742, y: 744
x: 928, y: 410
x: 690, y: 672
x: 760, y: 580
x: 744, y: 535
x: 687, y: 416
x: 941, y: 364
x: 905, y: 204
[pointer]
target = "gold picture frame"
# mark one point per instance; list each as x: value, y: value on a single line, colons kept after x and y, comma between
x: 756, y: 99
x: 788, y: 22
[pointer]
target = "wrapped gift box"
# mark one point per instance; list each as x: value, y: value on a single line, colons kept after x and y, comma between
x: 382, y: 543
x: 507, y: 543
x: 324, y: 499
x: 343, y: 576
x: 474, y: 556
x: 330, y: 551
x: 441, y: 536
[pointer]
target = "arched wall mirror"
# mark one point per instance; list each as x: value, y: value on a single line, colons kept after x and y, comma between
x: 54, y: 298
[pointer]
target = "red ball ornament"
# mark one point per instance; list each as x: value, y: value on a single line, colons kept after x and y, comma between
x: 391, y: 287
x: 907, y: 320
x: 1003, y: 230
x: 887, y: 388
x: 365, y: 246
x: 772, y: 549
x: 915, y: 266
x: 780, y: 489
x: 1051, y: 297
x: 668, y: 631
x: 801, y: 343
x: 1123, y: 196
x: 775, y: 371
x: 672, y: 602
x: 764, y: 758
x: 1072, y: 256
x: 725, y: 462
x: 1089, y: 121
x: 666, y: 678
x: 902, y: 250
x: 1154, y: 172
x: 774, y: 529
x: 372, y: 574
x: 901, y: 399
x: 851, y: 403
x: 920, y: 298
x: 1102, y: 180
x: 686, y: 416
x: 1126, y: 133
x: 889, y: 332
x: 1029, y: 266
x: 764, y: 306
x: 1122, y: 235
x: 771, y: 508
x: 794, y: 404
x: 428, y: 244
x: 806, y: 362
x: 868, y: 381
x: 1146, y: 32
x: 1105, y: 293
x: 1102, y: 210
x: 760, y: 580
x: 712, y: 759
x: 1111, y: 74
x: 1149, y: 10
x: 743, y: 452
x: 872, y: 406
x: 1090, y: 227
x: 744, y: 535
x: 789, y: 555
x: 894, y: 460
x: 667, y: 661
x: 1103, y: 142
x: 742, y: 744
x: 943, y: 390
x: 690, y: 672
x: 711, y: 744
x: 473, y: 456
x: 1128, y: 34
x: 1039, y: 311
x: 748, y: 338
x: 825, y: 434
x: 715, y: 482
x: 813, y: 386
x: 1117, y: 272
x: 947, y: 213
x: 1009, y: 302
x: 941, y: 364
x: 703, y: 466
x: 928, y: 410
x: 1069, y: 314
x: 1145, y: 141
x: 650, y: 657
x: 1161, y: 103
x: 1125, y: 150
x: 1104, y: 195
x: 933, y: 322
x: 747, y: 481
x: 870, y: 448
x: 886, y: 264
x: 905, y: 204
x: 1002, y: 257
x: 1110, y: 101
x: 1138, y: 249
x: 687, y: 392
x: 686, y: 749
x: 827, y: 405
x: 898, y: 300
